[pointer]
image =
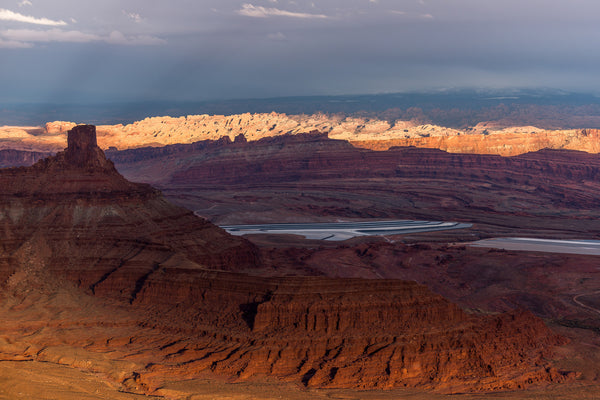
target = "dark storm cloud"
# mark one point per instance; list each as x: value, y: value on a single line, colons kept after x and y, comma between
x: 188, y: 50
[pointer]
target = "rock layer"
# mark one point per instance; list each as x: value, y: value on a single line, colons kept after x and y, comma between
x: 365, y: 334
x: 372, y: 133
x: 79, y: 206
x: 505, y: 142
x: 20, y: 158
x: 308, y: 177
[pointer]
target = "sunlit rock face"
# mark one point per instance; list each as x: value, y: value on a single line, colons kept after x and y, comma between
x: 506, y: 138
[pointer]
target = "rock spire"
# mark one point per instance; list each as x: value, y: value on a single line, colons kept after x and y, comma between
x: 82, y: 149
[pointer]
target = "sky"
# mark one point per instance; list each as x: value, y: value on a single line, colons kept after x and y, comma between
x: 196, y: 50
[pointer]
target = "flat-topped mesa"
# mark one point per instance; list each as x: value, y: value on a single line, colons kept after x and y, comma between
x: 83, y: 150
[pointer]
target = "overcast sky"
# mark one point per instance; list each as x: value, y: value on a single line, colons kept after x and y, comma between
x: 131, y: 50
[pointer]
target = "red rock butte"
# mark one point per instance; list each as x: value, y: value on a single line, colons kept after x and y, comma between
x: 81, y: 144
x: 82, y: 150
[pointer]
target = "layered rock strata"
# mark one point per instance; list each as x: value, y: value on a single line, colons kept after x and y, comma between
x: 372, y: 133
x: 362, y: 334
x: 96, y: 222
x: 20, y: 158
x: 307, y: 177
x: 505, y: 142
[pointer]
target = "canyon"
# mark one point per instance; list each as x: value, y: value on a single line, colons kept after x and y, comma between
x: 107, y: 277
x: 311, y: 178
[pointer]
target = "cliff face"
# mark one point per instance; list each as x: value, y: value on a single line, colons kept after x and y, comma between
x: 20, y: 158
x: 484, y: 138
x: 353, y: 333
x: 363, y: 132
x: 404, y: 347
x: 314, y: 156
x: 81, y: 243
x: 310, y: 177
x: 506, y: 142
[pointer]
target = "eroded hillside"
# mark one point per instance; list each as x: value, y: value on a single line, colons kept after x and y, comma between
x: 372, y: 133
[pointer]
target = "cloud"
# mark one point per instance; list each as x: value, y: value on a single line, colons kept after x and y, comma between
x: 13, y: 44
x: 277, y: 36
x: 7, y: 15
x: 412, y: 15
x: 51, y: 35
x: 25, y: 3
x: 133, y: 16
x: 29, y: 36
x: 250, y: 10
x: 117, y: 37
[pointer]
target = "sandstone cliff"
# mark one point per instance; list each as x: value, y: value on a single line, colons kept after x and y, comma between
x: 505, y: 142
x: 483, y: 138
x: 356, y: 333
x: 363, y: 132
x: 20, y: 158
x: 35, y: 139
x: 309, y: 177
